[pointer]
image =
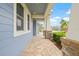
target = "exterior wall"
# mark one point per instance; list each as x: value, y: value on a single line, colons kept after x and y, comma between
x: 10, y: 45
x: 35, y: 26
x: 73, y: 30
x: 45, y: 24
x: 38, y: 26
x: 38, y: 22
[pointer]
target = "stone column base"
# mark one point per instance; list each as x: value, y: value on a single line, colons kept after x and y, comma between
x: 47, y: 34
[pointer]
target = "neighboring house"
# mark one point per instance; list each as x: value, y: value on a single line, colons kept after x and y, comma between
x: 18, y: 25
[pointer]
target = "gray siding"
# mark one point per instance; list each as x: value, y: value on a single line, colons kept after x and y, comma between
x: 10, y: 45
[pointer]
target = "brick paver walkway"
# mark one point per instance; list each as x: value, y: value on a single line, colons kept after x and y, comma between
x: 41, y: 47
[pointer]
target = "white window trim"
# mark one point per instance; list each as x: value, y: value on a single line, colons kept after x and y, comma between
x: 18, y: 33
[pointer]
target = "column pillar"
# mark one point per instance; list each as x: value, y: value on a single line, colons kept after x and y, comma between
x: 47, y: 29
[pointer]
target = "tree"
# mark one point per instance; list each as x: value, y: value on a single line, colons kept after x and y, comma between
x: 56, y: 28
x: 64, y: 25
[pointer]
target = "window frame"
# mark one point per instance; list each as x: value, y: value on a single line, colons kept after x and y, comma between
x: 21, y: 18
x: 26, y: 11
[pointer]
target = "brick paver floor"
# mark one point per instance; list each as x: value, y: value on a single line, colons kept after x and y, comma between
x: 41, y: 47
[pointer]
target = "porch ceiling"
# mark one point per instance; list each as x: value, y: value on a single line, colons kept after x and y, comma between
x: 37, y: 8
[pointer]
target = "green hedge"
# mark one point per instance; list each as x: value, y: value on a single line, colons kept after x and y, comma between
x: 57, y: 35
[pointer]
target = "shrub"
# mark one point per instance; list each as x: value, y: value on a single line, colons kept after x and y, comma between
x: 57, y: 35
x: 56, y: 38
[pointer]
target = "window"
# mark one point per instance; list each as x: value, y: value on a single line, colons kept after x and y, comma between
x: 28, y: 22
x: 20, y: 17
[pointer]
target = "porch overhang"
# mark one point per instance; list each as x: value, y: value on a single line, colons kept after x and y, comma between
x: 48, y: 10
x: 39, y: 10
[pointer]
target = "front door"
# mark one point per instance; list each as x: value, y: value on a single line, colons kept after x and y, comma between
x: 34, y: 27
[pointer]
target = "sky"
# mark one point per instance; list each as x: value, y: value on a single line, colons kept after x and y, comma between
x: 58, y: 12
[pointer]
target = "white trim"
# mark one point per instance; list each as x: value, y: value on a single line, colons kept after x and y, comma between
x: 14, y: 24
x: 48, y: 10
x: 37, y: 16
x: 26, y: 11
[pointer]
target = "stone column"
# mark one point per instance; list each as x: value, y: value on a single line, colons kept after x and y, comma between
x: 47, y: 29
